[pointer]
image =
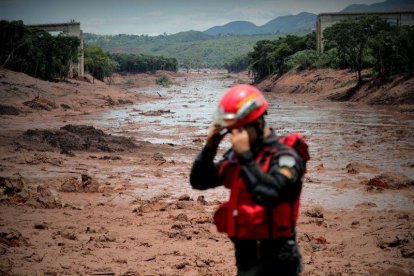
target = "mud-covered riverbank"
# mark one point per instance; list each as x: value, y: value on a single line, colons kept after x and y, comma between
x: 121, y: 203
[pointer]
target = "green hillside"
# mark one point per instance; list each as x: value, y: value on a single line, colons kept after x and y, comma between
x: 201, y: 49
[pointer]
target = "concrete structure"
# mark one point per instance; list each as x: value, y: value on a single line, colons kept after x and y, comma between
x: 72, y: 28
x: 325, y: 20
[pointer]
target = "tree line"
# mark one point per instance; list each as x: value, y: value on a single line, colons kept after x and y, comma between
x: 101, y: 64
x: 370, y: 42
x: 139, y: 63
x: 36, y: 52
x: 355, y: 43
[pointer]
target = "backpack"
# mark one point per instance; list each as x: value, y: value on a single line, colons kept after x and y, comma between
x: 298, y: 143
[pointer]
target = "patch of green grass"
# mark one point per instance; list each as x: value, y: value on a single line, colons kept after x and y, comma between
x: 163, y: 80
x: 129, y: 82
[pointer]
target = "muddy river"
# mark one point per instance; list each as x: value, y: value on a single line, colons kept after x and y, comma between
x: 338, y: 134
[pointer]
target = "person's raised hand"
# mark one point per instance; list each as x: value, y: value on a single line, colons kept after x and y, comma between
x: 240, y: 140
x: 214, y: 136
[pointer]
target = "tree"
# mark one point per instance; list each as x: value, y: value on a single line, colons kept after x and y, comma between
x: 191, y: 62
x: 392, y: 50
x: 270, y: 57
x: 36, y: 52
x: 260, y: 65
x: 98, y: 63
x: 143, y: 63
x: 237, y: 64
x: 351, y: 37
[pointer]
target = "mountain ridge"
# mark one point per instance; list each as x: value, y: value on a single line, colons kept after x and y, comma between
x: 212, y: 50
x: 282, y: 24
x: 304, y: 21
x: 386, y: 6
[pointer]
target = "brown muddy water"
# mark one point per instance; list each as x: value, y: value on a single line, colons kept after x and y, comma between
x: 338, y: 134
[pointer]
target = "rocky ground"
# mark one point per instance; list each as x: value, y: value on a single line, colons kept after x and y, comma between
x: 76, y: 199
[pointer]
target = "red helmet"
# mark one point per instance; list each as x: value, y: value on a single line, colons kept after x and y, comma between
x: 240, y: 105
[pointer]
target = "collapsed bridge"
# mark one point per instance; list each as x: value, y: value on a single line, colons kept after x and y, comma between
x: 72, y: 29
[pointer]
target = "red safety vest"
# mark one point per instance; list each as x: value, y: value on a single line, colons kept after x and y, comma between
x: 241, y: 217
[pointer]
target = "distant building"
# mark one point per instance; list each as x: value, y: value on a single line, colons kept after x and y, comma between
x: 72, y: 28
x: 325, y: 20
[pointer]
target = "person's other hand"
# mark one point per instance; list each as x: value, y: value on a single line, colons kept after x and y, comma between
x: 214, y: 137
x: 240, y: 140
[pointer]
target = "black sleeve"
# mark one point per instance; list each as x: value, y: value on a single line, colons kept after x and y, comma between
x: 204, y: 173
x: 269, y: 188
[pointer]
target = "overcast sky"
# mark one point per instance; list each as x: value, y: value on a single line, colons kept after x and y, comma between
x: 154, y: 17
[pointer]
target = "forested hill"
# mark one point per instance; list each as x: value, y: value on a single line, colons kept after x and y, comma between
x: 197, y: 48
x: 389, y: 5
x: 302, y: 22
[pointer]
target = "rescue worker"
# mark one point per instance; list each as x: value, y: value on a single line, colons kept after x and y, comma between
x: 265, y: 180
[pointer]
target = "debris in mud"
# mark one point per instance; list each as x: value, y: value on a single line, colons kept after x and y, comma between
x: 40, y: 226
x: 182, y: 217
x: 70, y: 185
x: 11, y: 185
x: 3, y: 251
x: 107, y: 237
x: 89, y: 184
x: 181, y: 265
x: 357, y: 167
x: 409, y: 165
x: 393, y: 181
x: 357, y: 144
x: 198, y: 141
x: 351, y: 168
x: 202, y: 200
x: 394, y: 271
x: 74, y: 137
x: 6, y: 266
x: 15, y: 191
x: 41, y: 158
x: 391, y: 241
x: 124, y: 101
x: 150, y: 206
x: 68, y: 235
x: 156, y: 112
x: 408, y: 251
x: 13, y: 238
x: 40, y: 103
x: 65, y: 106
x: 315, y: 212
x: 109, y: 101
x: 319, y: 240
x: 67, y: 153
x: 86, y: 184
x: 45, y: 198
x: 366, y: 205
x: 106, y: 157
x: 184, y: 198
x: 158, y: 157
x: 319, y: 167
x: 8, y: 110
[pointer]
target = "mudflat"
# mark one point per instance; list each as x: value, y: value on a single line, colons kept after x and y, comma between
x: 94, y: 178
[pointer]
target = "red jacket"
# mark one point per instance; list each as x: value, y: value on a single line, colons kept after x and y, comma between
x: 241, y: 217
x: 263, y: 202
